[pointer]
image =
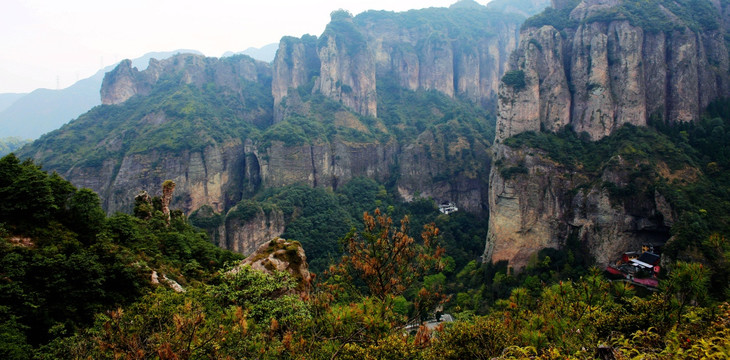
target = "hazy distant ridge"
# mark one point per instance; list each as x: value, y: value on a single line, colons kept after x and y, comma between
x: 29, y: 116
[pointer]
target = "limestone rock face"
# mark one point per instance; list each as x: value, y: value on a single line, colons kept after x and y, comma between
x: 427, y: 170
x: 244, y: 236
x: 347, y: 72
x: 208, y: 177
x: 296, y: 62
x: 282, y: 255
x: 600, y: 75
x: 124, y: 81
x: 454, y: 64
x: 325, y: 165
x: 348, y: 58
x: 548, y: 203
x: 544, y: 101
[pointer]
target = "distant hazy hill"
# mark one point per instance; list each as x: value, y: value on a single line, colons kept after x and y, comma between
x: 523, y: 7
x: 8, y: 99
x: 29, y: 116
x: 265, y: 53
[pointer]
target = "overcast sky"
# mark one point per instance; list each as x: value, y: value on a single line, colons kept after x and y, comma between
x: 53, y: 43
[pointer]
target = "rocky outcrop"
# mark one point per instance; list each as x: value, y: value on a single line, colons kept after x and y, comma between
x: 600, y: 75
x: 282, y: 255
x: 168, y: 187
x: 212, y: 176
x: 120, y: 84
x: 347, y: 72
x: 172, y: 284
x: 434, y: 166
x: 296, y: 64
x: 325, y: 165
x: 546, y: 203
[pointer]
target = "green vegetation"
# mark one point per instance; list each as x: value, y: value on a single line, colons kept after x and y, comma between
x: 172, y: 118
x: 698, y: 15
x: 319, y: 218
x: 62, y: 260
x: 10, y: 144
x: 327, y: 120
x: 557, y: 18
x: 345, y: 33
x: 456, y: 24
x: 408, y: 114
x: 90, y: 276
x: 514, y: 79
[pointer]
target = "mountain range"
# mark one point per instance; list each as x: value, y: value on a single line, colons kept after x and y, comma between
x: 469, y: 104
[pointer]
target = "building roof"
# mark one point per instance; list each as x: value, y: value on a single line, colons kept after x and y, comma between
x: 649, y: 258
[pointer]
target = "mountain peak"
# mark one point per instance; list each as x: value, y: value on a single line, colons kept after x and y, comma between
x: 466, y: 4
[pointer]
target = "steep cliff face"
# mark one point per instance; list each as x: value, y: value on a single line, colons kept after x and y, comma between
x: 296, y: 63
x: 210, y: 176
x: 461, y: 51
x: 243, y: 228
x: 347, y: 72
x: 399, y: 98
x: 603, y: 71
x: 437, y: 166
x: 454, y: 61
x: 545, y: 203
x: 326, y: 165
x: 595, y: 70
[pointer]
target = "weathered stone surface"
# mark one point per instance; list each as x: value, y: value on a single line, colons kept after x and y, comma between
x: 124, y: 81
x: 296, y: 62
x: 549, y: 203
x: 209, y: 177
x: 468, y: 67
x: 281, y: 255
x: 244, y: 236
x: 601, y: 75
x: 325, y: 165
x: 347, y: 71
x: 544, y: 102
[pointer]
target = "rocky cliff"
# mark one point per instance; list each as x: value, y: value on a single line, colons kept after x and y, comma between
x: 243, y: 228
x: 594, y: 66
x: 600, y: 68
x: 461, y: 51
x: 545, y: 203
x: 401, y: 98
x: 125, y: 81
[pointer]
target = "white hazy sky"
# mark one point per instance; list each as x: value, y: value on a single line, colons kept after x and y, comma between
x: 53, y: 43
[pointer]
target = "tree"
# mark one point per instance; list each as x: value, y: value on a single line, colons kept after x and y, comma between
x: 686, y: 284
x: 86, y: 216
x: 386, y: 258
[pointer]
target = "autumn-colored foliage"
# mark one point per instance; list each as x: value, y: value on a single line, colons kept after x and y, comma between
x: 386, y: 258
